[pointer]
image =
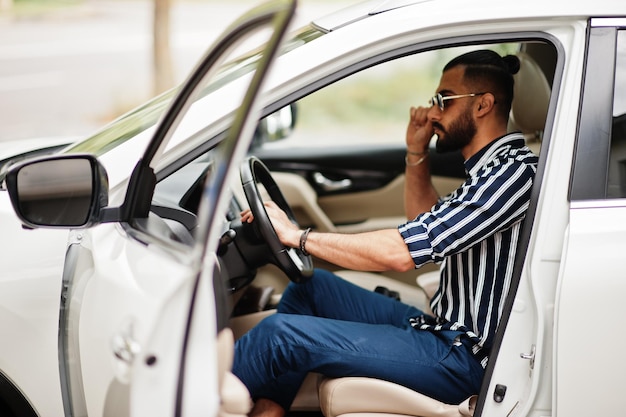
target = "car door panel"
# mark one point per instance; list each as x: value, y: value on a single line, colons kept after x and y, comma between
x: 131, y: 287
x: 100, y: 350
x: 592, y: 272
x: 369, y: 183
x: 595, y: 234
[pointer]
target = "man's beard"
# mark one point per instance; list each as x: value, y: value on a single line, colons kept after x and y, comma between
x: 459, y: 135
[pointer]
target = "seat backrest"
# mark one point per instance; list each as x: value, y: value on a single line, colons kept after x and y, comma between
x: 531, y: 98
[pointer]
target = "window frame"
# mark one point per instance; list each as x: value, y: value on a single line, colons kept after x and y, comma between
x: 590, y: 170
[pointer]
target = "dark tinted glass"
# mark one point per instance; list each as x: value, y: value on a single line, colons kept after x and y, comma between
x: 56, y: 192
x: 616, y: 187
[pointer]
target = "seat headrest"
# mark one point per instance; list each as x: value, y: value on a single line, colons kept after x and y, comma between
x: 531, y: 98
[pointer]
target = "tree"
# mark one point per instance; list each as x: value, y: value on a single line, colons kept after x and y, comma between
x: 162, y: 58
x: 6, y: 5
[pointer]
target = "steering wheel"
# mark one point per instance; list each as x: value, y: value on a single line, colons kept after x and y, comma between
x: 297, y: 265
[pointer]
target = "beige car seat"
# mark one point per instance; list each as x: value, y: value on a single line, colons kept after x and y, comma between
x: 532, y: 98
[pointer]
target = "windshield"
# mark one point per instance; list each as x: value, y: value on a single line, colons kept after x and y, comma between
x: 144, y: 118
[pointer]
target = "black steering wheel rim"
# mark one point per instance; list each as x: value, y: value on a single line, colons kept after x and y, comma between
x: 297, y: 265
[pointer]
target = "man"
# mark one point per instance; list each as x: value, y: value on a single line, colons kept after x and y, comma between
x: 335, y: 328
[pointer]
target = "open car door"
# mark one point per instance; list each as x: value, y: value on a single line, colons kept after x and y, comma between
x: 206, y: 347
x: 140, y: 307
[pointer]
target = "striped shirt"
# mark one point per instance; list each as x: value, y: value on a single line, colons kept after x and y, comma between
x: 473, y: 233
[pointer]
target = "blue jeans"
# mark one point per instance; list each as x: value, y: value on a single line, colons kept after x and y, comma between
x: 330, y: 326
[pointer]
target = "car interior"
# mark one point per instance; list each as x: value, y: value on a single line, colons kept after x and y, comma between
x: 347, y: 180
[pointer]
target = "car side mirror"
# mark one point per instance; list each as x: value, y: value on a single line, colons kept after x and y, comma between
x: 276, y: 126
x: 62, y: 191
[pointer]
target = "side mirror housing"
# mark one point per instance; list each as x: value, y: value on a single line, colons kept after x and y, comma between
x: 60, y: 191
x: 276, y: 126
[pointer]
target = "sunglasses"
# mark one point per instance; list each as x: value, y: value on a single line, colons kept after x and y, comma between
x: 439, y: 100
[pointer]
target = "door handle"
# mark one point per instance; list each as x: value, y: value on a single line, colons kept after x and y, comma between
x: 125, y: 348
x: 530, y: 356
x: 331, y: 185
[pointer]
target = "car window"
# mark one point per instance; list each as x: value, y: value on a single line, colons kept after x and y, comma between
x: 119, y: 144
x: 616, y: 187
x: 372, y: 106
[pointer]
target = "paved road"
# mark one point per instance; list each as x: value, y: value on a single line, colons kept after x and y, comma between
x: 69, y: 72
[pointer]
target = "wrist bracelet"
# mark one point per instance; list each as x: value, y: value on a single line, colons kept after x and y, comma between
x: 416, y: 163
x: 303, y: 237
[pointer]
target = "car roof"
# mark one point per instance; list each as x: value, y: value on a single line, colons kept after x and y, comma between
x: 462, y: 10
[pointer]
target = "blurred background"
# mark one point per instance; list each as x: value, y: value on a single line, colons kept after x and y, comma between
x: 67, y: 67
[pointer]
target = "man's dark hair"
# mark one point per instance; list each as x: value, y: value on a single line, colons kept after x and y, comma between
x: 488, y: 72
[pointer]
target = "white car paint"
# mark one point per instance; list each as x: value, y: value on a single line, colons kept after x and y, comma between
x: 31, y: 264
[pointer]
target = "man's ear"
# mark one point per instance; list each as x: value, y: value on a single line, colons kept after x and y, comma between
x: 485, y: 104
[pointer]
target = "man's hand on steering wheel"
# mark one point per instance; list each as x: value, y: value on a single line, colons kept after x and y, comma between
x: 274, y: 222
x: 287, y: 232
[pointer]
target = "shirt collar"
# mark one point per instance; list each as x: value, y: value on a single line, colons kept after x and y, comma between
x: 480, y: 158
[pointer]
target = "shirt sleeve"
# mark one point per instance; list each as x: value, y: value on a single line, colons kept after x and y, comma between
x: 492, y: 201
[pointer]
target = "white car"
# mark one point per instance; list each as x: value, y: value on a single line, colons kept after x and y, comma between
x: 159, y: 275
x: 31, y: 264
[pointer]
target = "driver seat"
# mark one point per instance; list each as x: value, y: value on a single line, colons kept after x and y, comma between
x: 370, y: 397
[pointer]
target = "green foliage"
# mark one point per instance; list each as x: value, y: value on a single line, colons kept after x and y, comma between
x: 37, y: 7
x: 383, y: 94
x: 371, y: 98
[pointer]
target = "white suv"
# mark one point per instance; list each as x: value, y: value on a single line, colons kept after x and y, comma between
x: 159, y: 274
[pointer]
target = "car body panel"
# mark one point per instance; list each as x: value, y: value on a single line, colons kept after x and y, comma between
x: 31, y: 262
x: 30, y: 295
x: 16, y: 150
x: 133, y: 307
x: 594, y: 240
x: 589, y: 291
